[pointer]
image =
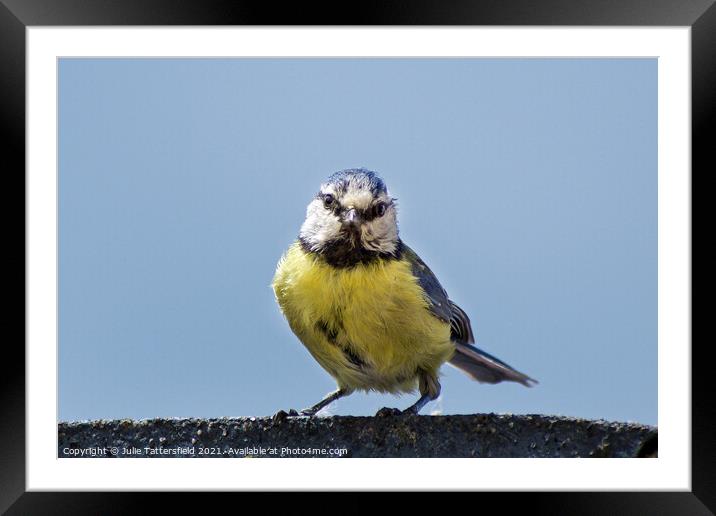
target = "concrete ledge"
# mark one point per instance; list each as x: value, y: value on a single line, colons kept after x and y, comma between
x: 478, y: 435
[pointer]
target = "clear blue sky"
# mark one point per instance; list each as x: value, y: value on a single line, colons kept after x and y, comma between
x: 528, y: 185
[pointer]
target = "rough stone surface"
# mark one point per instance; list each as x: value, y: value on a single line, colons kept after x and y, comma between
x: 479, y: 435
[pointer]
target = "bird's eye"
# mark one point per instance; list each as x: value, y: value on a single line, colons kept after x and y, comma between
x: 379, y: 209
x: 328, y: 200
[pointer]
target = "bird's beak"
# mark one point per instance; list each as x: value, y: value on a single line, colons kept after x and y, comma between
x: 352, y: 218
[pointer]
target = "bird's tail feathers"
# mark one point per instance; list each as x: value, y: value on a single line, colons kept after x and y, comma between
x: 483, y: 367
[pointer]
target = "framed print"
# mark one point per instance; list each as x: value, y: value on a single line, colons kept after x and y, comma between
x: 230, y: 211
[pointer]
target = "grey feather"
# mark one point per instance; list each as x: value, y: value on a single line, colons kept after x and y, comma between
x: 485, y: 368
x: 461, y: 330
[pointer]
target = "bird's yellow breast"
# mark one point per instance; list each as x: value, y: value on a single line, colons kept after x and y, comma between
x: 369, y: 325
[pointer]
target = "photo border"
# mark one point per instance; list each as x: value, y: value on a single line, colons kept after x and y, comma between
x: 700, y: 16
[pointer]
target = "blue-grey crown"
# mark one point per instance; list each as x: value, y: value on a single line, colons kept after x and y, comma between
x: 361, y: 177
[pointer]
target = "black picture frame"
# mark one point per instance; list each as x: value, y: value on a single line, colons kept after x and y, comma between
x: 17, y: 15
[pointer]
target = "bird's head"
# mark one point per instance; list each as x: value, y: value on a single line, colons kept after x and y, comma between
x: 351, y: 218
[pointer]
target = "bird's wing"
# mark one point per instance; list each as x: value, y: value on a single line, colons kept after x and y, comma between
x: 440, y: 304
x: 473, y: 361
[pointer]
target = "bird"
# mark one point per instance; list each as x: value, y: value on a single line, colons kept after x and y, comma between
x: 366, y: 306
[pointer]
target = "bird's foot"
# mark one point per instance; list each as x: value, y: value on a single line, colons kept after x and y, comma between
x: 282, y: 414
x: 388, y: 412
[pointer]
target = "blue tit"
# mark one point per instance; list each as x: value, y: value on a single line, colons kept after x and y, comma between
x: 364, y: 304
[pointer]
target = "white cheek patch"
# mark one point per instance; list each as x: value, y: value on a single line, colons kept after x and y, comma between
x: 381, y: 233
x: 320, y: 225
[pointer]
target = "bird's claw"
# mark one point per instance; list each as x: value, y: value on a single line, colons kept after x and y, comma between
x: 282, y: 414
x: 388, y: 412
